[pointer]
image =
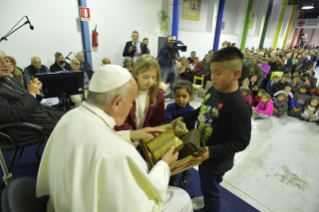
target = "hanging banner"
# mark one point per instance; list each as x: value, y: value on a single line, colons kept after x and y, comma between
x: 191, y: 10
x: 307, y: 23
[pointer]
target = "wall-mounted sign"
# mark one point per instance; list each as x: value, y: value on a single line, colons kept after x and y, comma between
x: 307, y: 23
x: 85, y: 14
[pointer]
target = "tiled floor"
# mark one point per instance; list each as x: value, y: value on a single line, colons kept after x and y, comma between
x: 279, y: 170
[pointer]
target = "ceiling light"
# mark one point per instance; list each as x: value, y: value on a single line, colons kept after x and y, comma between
x: 307, y: 6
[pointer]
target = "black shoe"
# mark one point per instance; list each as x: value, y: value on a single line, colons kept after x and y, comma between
x: 172, y: 181
x: 184, y: 182
x: 301, y: 118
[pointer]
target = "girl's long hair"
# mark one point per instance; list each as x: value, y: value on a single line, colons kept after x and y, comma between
x: 145, y: 63
x: 309, y: 103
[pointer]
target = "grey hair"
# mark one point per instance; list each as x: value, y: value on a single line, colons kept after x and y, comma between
x: 34, y: 58
x: 77, y: 54
x: 106, y: 98
x: 127, y: 59
x: 57, y: 54
x: 75, y: 61
x: 135, y: 32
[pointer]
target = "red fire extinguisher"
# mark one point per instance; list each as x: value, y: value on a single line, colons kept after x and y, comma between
x: 94, y: 37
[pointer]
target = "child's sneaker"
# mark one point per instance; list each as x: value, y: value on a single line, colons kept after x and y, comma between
x: 198, y: 203
x: 172, y: 181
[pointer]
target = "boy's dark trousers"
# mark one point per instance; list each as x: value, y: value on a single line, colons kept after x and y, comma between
x: 210, y: 186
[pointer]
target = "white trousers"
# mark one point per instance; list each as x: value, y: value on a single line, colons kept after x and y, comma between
x: 177, y: 200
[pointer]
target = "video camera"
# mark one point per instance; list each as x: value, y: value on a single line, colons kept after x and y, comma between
x: 173, y: 46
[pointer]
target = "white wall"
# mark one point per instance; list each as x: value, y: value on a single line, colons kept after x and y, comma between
x: 56, y: 28
x: 199, y: 40
x: 115, y: 22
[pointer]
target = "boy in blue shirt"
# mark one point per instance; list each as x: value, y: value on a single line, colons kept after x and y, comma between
x: 224, y: 120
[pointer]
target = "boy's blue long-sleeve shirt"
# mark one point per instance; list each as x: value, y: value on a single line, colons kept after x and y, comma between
x: 173, y: 111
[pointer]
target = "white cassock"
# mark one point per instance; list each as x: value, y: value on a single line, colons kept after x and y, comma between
x: 87, y: 166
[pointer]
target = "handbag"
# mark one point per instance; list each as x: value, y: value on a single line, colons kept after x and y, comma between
x: 192, y: 146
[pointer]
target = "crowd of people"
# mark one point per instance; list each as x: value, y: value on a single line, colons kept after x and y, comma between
x: 130, y: 101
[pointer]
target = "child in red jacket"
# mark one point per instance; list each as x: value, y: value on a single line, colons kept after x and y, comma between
x: 148, y: 108
x: 195, y: 67
x: 257, y: 98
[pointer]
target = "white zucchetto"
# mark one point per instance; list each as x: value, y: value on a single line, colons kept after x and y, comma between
x: 109, y: 77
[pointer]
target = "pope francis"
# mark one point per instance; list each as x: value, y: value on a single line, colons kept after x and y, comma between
x: 87, y: 166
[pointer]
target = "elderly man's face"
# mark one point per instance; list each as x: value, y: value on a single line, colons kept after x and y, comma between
x: 80, y: 57
x: 36, y: 63
x: 4, y: 66
x: 75, y: 66
x: 135, y: 37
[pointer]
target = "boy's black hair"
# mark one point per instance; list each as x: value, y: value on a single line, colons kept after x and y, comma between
x: 288, y: 85
x: 227, y: 54
x: 307, y: 87
x: 187, y: 85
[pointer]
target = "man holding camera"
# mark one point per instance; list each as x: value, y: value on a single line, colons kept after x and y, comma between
x: 167, y: 61
x: 134, y: 48
x: 60, y: 64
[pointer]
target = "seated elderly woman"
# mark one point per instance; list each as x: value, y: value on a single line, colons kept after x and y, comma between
x: 34, y: 68
x: 15, y: 71
x: 75, y: 67
x: 128, y: 63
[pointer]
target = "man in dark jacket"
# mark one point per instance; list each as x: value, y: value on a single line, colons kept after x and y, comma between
x: 134, y: 48
x: 280, y: 85
x: 255, y: 69
x: 288, y: 62
x: 60, y: 64
x: 19, y: 104
x: 34, y: 68
x: 84, y: 66
x: 244, y: 74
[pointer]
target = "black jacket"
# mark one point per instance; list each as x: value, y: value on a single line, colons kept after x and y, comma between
x: 30, y: 71
x: 274, y: 66
x: 17, y: 105
x: 244, y: 74
x: 278, y: 86
x: 225, y: 123
x: 55, y: 67
x: 86, y: 67
x: 131, y: 54
x: 288, y: 65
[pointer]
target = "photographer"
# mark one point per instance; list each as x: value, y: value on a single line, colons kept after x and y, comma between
x: 134, y: 48
x: 167, y: 60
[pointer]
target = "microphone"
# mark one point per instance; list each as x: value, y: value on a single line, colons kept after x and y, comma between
x: 67, y: 57
x: 28, y: 21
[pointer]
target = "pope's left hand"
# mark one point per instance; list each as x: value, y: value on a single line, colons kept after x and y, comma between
x: 145, y: 133
x: 202, y: 157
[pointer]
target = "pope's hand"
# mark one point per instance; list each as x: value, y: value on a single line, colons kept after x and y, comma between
x: 170, y: 157
x: 145, y: 133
